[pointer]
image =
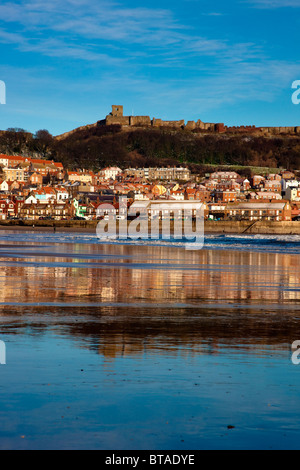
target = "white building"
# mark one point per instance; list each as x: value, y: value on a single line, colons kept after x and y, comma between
x: 289, y: 184
x: 4, y: 186
x: 292, y: 194
x: 110, y: 172
x: 61, y: 194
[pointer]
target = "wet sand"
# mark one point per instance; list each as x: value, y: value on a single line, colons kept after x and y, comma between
x: 147, y: 347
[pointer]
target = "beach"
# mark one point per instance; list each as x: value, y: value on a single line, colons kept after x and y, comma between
x: 148, y: 346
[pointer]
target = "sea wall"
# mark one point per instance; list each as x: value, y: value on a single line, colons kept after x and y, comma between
x: 11, y: 224
x: 210, y: 227
x: 247, y: 227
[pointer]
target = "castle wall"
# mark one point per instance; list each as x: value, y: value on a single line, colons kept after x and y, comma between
x: 220, y: 127
x: 116, y: 117
x: 200, y: 124
x: 208, y: 126
x: 190, y: 125
x: 140, y: 121
x: 281, y: 130
x: 121, y: 120
x: 172, y: 124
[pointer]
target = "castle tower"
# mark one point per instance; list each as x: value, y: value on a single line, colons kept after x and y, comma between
x: 116, y: 110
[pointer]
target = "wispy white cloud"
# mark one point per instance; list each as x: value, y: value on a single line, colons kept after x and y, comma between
x: 147, y: 54
x: 213, y: 14
x: 56, y: 47
x: 275, y: 3
x: 84, y: 29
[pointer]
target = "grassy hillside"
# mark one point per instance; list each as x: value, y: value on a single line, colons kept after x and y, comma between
x: 100, y: 146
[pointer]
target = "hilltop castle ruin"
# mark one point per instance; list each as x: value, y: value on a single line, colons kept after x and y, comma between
x: 116, y: 117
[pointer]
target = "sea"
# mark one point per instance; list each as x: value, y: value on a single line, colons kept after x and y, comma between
x: 138, y: 345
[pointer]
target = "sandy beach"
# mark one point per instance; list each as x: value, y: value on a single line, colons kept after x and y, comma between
x: 115, y: 346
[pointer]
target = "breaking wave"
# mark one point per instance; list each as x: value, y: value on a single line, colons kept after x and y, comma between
x: 269, y: 243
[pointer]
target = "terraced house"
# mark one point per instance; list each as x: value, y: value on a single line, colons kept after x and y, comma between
x: 276, y: 211
x: 15, y: 174
x: 7, y: 209
x: 53, y: 210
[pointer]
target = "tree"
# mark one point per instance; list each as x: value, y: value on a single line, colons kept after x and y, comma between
x: 43, y: 142
x: 15, y: 140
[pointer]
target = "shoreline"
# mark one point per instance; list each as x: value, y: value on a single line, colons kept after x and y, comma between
x: 42, y: 228
x: 210, y: 227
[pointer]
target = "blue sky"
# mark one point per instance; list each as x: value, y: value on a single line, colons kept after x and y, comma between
x: 66, y: 62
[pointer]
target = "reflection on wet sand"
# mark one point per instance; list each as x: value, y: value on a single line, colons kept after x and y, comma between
x: 162, y: 275
x: 120, y: 300
x: 114, y: 332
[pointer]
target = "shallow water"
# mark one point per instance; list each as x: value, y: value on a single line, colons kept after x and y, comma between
x: 148, y: 346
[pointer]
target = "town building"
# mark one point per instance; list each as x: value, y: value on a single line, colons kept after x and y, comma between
x: 276, y: 211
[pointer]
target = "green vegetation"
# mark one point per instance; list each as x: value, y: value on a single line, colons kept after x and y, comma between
x: 96, y: 147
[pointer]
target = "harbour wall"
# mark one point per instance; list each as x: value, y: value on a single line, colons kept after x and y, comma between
x: 210, y: 227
